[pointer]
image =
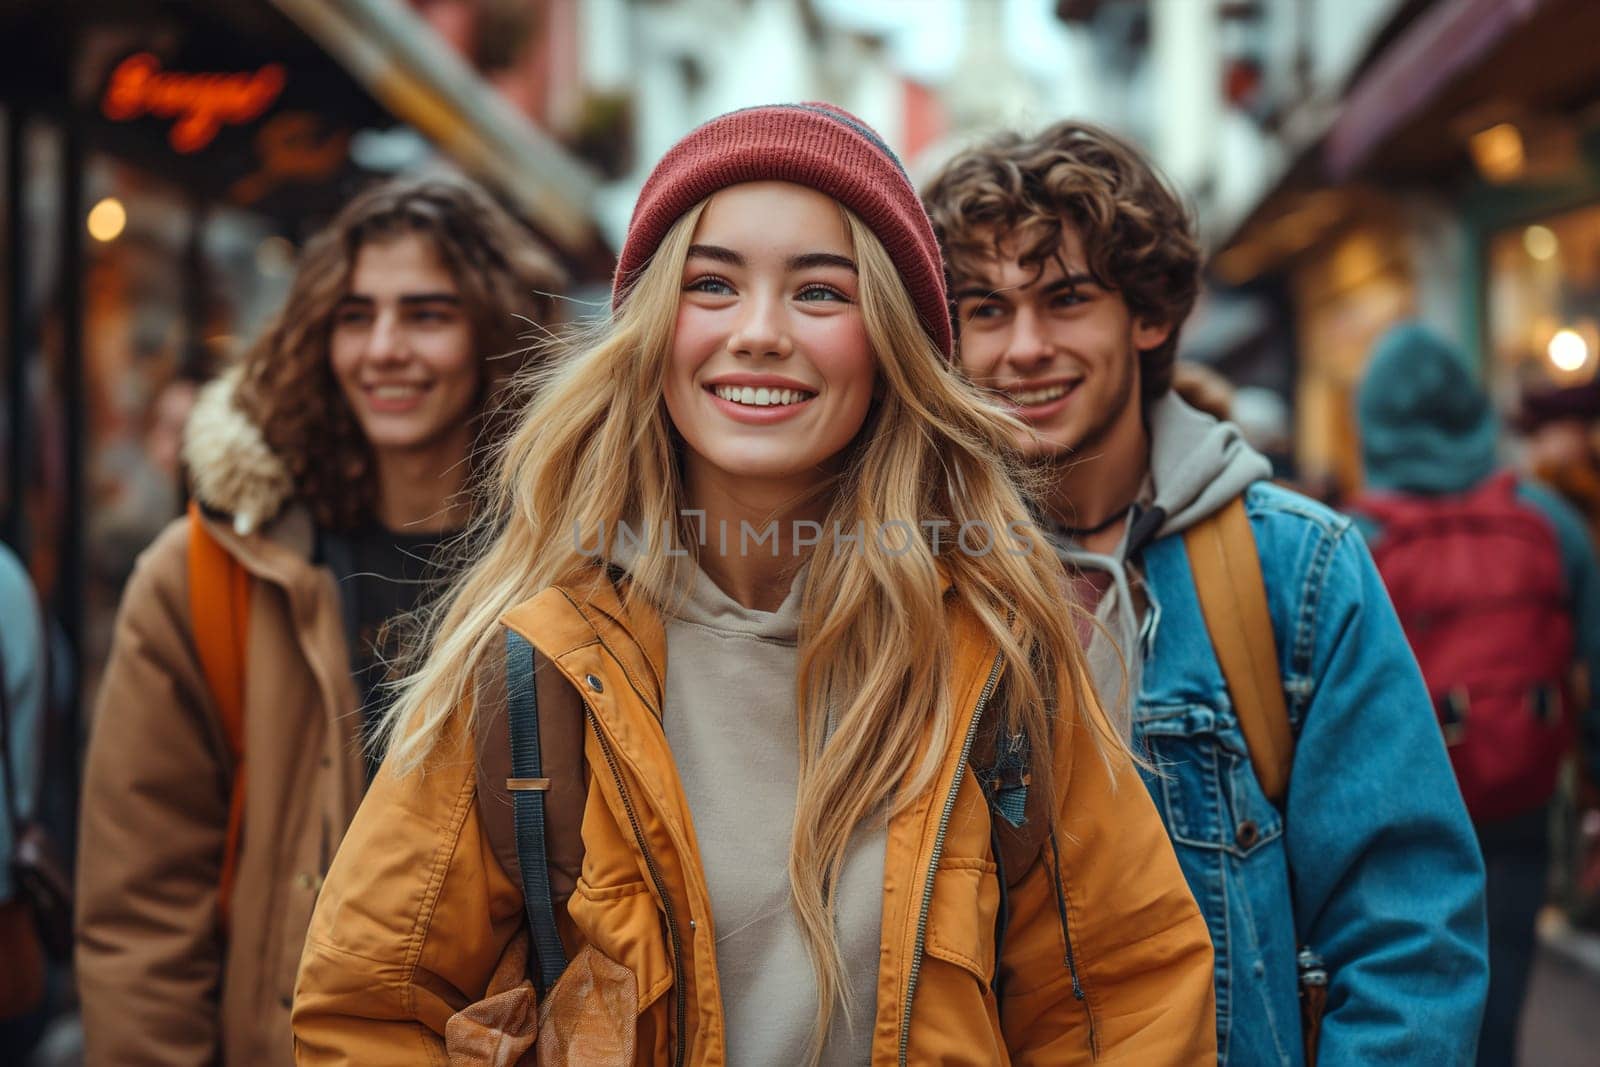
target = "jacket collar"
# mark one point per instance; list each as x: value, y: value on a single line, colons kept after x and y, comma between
x: 643, y: 649
x: 244, y: 488
x: 633, y: 631
x: 280, y: 553
x: 591, y: 607
x: 233, y: 469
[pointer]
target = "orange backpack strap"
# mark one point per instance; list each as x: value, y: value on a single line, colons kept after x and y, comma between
x: 219, y: 614
x: 1233, y: 599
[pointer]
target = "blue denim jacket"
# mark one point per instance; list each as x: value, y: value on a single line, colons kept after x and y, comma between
x: 1372, y: 863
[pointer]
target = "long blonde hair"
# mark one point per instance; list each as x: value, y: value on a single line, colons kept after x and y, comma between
x: 595, y: 447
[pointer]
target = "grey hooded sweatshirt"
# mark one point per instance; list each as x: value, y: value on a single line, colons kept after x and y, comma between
x: 1197, y: 465
x: 730, y: 718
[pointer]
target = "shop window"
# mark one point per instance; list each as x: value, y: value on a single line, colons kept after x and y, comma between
x: 1347, y: 298
x: 171, y: 295
x: 1544, y: 303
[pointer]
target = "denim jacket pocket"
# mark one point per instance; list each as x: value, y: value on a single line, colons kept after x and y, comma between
x: 1207, y: 784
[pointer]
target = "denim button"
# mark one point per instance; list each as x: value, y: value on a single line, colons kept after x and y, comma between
x: 594, y: 683
x: 1247, y: 833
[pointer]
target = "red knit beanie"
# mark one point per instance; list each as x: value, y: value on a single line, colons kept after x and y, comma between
x: 816, y: 145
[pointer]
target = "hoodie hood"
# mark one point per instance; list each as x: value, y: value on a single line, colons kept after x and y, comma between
x: 232, y: 468
x: 1426, y: 424
x: 1197, y: 464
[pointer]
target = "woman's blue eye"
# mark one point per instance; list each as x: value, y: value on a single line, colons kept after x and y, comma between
x: 710, y: 284
x: 1068, y: 299
x: 820, y: 292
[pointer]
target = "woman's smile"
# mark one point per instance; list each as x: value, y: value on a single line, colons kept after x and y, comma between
x: 759, y: 399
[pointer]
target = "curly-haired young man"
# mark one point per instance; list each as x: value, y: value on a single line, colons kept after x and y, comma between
x: 328, y: 468
x: 1075, y: 266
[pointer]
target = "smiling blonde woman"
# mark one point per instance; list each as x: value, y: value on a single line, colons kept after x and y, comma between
x: 788, y: 751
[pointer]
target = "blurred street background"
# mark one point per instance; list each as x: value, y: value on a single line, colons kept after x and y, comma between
x: 1352, y: 163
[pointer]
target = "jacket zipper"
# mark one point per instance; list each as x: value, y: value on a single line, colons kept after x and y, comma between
x: 938, y: 851
x: 1066, y: 936
x: 655, y: 876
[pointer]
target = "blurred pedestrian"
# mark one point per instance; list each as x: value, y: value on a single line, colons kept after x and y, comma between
x: 226, y: 757
x: 1561, y: 430
x: 1497, y: 586
x: 22, y: 711
x: 777, y: 736
x: 1343, y: 871
x: 1559, y: 426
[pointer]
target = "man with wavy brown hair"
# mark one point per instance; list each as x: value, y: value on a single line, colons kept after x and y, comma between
x: 1352, y: 869
x: 328, y: 470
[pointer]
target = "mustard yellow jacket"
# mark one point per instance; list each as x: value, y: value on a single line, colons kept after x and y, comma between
x: 418, y: 913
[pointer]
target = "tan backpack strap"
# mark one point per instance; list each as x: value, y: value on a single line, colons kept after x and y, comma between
x: 1233, y: 599
x: 219, y: 615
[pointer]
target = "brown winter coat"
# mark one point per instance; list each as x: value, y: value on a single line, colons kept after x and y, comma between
x: 419, y: 918
x: 161, y: 982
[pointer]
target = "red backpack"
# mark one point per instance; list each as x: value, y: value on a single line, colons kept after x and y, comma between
x: 1477, y: 580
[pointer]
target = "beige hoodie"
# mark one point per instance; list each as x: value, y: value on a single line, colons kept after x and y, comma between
x: 731, y: 721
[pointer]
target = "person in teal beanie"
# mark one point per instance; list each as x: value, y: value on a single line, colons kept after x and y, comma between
x: 1497, y: 587
x: 1426, y: 425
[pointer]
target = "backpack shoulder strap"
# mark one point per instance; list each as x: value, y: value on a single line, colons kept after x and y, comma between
x: 1233, y: 598
x: 520, y: 769
x: 528, y: 787
x: 219, y: 616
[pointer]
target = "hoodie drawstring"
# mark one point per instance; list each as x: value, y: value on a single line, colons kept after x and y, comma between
x: 1142, y: 530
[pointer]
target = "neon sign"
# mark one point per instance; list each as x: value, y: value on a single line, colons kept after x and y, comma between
x: 201, y: 104
x: 292, y: 148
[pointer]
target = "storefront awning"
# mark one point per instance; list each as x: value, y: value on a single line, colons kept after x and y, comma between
x: 398, y: 59
x: 1447, y: 41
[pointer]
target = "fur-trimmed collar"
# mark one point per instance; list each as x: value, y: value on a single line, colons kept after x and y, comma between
x: 232, y: 467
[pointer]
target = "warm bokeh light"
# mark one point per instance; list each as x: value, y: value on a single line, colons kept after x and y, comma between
x: 1540, y: 242
x: 107, y: 219
x: 1568, y: 351
x: 1498, y: 153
